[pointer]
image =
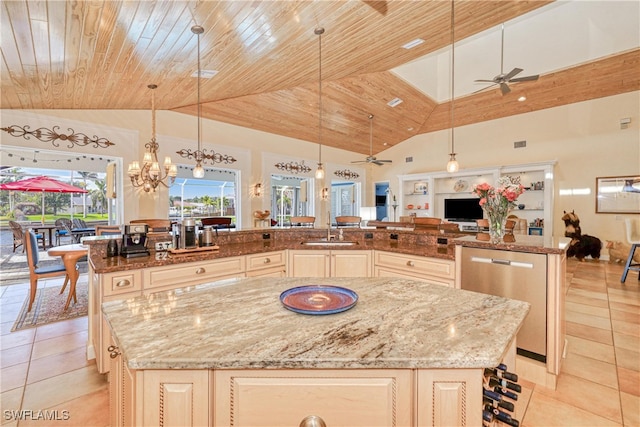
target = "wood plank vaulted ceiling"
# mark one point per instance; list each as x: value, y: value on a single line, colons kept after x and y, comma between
x: 103, y: 54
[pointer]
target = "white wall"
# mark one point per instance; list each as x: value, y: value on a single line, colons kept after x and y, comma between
x: 584, y: 138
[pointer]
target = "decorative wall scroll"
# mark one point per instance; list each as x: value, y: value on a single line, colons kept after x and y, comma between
x: 213, y: 157
x: 618, y: 194
x: 52, y: 135
x: 346, y: 174
x: 293, y: 167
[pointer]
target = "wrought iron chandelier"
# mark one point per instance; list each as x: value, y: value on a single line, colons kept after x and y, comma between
x: 149, y: 176
x: 200, y: 155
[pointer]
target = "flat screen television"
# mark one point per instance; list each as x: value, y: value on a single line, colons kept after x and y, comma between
x: 462, y: 210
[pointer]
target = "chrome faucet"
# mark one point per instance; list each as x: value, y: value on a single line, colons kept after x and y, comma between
x: 329, y: 235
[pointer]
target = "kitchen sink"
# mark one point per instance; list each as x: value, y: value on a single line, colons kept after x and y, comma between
x: 324, y: 242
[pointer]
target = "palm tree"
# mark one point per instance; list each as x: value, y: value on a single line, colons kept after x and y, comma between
x: 93, y: 177
x: 99, y: 195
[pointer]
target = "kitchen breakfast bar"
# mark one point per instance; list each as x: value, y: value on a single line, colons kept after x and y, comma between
x: 230, y: 353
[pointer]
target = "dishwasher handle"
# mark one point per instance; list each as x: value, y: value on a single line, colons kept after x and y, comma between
x: 502, y: 262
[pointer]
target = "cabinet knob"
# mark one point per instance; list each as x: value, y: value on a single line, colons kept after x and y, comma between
x: 409, y: 263
x: 313, y: 421
x: 123, y: 283
x: 267, y: 260
x: 201, y: 270
x: 113, y: 351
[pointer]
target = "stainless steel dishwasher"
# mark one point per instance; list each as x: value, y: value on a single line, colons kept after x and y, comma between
x: 514, y: 275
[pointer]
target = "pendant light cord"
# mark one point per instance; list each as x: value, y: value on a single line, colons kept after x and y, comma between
x: 153, y: 111
x: 199, y: 106
x: 453, y: 75
x: 319, y: 32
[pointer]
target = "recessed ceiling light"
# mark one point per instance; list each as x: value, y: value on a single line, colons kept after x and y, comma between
x: 522, y: 98
x: 412, y: 43
x: 410, y: 129
x: 394, y: 102
x: 205, y: 74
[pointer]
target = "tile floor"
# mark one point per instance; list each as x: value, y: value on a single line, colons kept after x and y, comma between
x: 45, y: 367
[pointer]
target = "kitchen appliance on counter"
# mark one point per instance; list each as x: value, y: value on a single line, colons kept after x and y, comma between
x: 514, y: 275
x: 134, y: 241
x: 188, y: 234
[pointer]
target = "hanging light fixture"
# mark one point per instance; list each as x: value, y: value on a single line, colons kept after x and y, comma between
x: 201, y: 155
x: 149, y: 176
x: 320, y: 170
x: 452, y: 165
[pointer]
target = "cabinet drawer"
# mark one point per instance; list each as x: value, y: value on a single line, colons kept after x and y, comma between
x: 121, y: 282
x: 265, y: 260
x: 416, y: 264
x: 340, y: 397
x: 193, y: 273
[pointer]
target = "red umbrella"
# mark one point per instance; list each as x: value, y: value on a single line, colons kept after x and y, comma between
x: 43, y: 184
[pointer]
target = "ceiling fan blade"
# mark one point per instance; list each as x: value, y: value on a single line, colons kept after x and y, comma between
x: 504, y: 88
x: 485, y: 81
x: 524, y: 79
x: 359, y: 161
x: 385, y: 161
x: 512, y: 73
x: 484, y: 88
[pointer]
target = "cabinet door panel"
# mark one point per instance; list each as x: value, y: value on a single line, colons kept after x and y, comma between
x: 340, y: 398
x: 308, y: 263
x: 193, y: 273
x: 350, y: 263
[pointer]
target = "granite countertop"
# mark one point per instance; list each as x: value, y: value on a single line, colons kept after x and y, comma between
x: 520, y: 243
x: 102, y: 264
x: 241, y: 324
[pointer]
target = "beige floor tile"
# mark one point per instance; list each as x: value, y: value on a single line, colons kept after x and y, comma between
x: 625, y: 328
x: 10, y: 400
x: 545, y: 411
x: 630, y: 409
x: 587, y: 309
x: 85, y: 411
x: 625, y: 298
x: 62, y: 328
x: 13, y: 377
x: 5, y: 326
x: 629, y: 381
x: 594, y: 334
x: 629, y: 342
x: 587, y: 319
x: 621, y: 306
x: 59, y: 344
x: 580, y: 299
x: 51, y: 366
x: 625, y: 316
x: 582, y: 394
x: 15, y: 355
x: 594, y: 350
x: 18, y: 338
x: 588, y: 294
x: 62, y: 388
x: 628, y: 359
x: 590, y: 369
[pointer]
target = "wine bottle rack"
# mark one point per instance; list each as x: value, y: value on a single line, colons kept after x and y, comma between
x: 499, y: 394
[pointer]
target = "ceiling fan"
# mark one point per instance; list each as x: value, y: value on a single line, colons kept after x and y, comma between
x: 371, y: 158
x: 503, y: 79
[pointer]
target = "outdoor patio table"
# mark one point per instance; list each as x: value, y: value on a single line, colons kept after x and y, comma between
x: 70, y: 255
x: 50, y: 227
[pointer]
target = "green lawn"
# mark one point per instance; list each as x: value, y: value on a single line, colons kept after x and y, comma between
x: 49, y: 218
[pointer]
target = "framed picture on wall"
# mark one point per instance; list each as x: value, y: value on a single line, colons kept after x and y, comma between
x: 618, y: 194
x: 420, y: 188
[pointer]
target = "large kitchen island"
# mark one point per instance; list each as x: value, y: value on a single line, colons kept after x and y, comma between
x: 228, y: 353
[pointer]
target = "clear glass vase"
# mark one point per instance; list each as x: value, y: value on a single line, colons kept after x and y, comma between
x: 497, y: 223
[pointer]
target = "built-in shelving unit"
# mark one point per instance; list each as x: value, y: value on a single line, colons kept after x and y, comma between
x: 423, y: 194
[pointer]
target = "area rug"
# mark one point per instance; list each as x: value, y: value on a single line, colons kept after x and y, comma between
x: 48, y: 307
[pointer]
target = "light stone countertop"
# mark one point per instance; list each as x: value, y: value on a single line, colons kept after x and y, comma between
x: 241, y: 324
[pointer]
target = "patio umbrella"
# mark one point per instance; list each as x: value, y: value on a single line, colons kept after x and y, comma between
x: 42, y: 184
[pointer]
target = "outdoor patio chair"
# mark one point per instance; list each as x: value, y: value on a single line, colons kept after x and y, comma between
x: 348, y: 221
x: 64, y: 229
x: 35, y: 272
x: 302, y: 221
x: 19, y: 236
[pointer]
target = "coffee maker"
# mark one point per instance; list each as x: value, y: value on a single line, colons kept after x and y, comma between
x: 134, y: 241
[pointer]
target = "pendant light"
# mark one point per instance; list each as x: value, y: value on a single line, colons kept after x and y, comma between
x: 198, y: 171
x: 320, y: 170
x: 452, y: 165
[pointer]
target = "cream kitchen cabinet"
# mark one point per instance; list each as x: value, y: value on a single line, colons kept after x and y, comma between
x: 270, y: 264
x: 192, y: 273
x: 358, y: 397
x: 433, y: 270
x: 329, y: 263
x: 121, y: 389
